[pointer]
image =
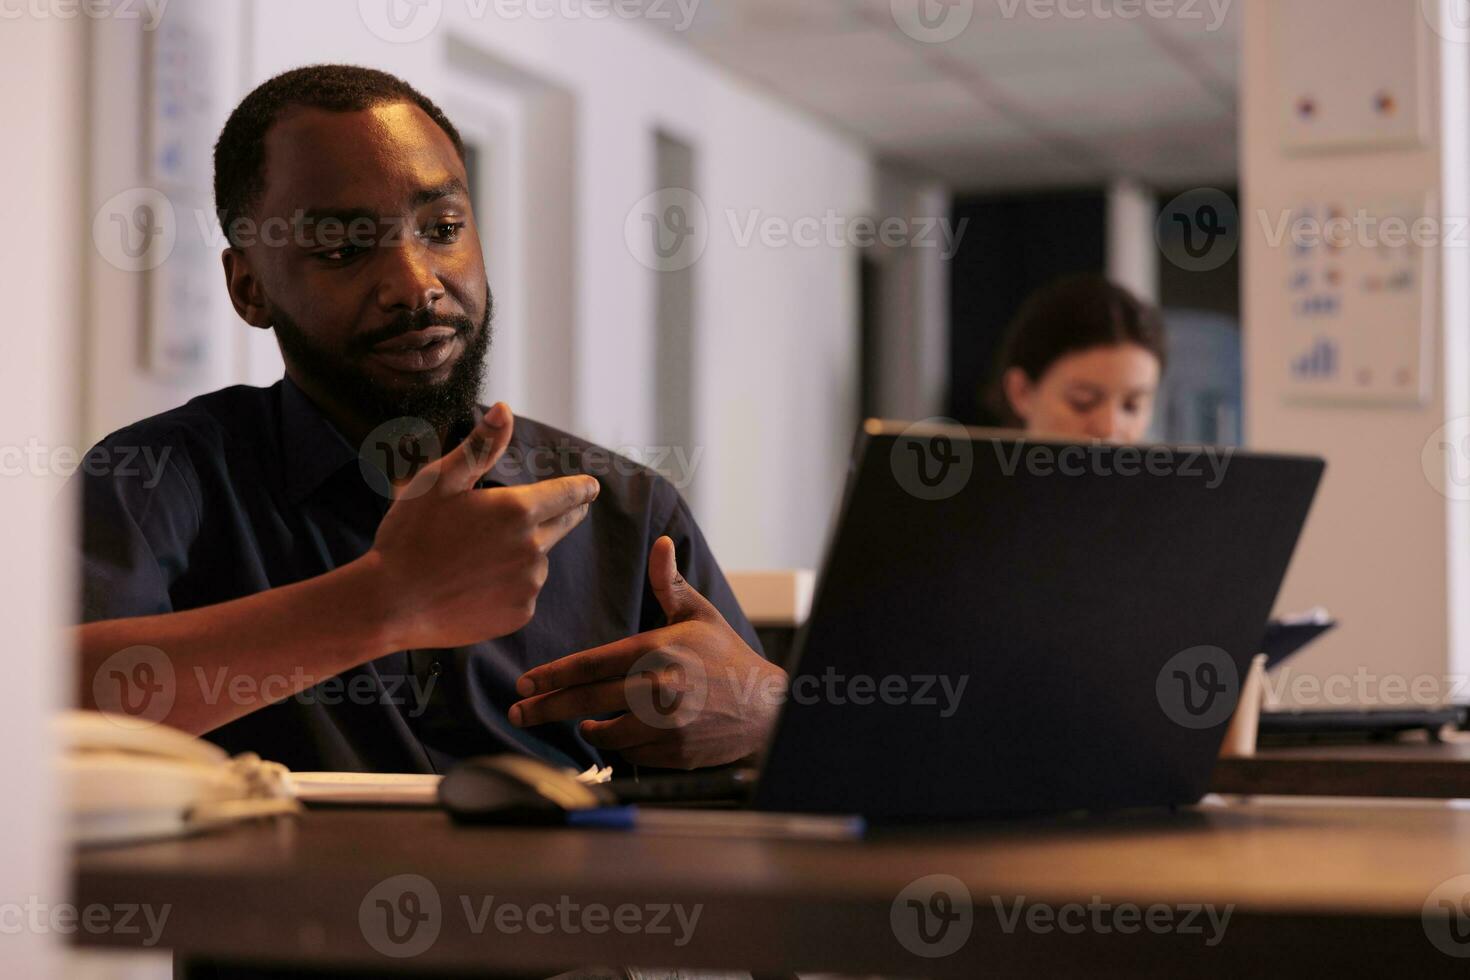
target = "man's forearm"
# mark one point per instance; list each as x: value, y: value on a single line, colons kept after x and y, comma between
x: 218, y: 663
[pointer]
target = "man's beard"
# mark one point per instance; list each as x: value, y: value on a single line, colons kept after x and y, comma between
x: 441, y: 404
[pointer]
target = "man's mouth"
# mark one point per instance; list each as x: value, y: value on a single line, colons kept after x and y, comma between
x: 418, y: 350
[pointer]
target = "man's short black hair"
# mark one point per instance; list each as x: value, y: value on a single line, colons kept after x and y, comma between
x: 239, y: 154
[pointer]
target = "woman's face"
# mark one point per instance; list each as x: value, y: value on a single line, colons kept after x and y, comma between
x: 1099, y: 393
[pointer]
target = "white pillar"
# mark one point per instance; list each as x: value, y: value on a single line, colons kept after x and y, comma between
x: 1454, y: 195
x: 1385, y: 547
x: 913, y: 323
x: 1133, y: 255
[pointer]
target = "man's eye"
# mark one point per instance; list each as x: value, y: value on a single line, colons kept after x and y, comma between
x: 446, y: 231
x: 341, y: 253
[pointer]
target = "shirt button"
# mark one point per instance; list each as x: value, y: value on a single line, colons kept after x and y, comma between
x: 436, y: 668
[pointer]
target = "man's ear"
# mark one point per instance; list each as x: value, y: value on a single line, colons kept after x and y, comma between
x: 244, y: 288
x: 1019, y: 392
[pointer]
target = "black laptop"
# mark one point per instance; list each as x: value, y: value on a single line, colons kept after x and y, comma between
x: 1006, y: 625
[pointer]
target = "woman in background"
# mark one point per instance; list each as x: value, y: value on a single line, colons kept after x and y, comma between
x: 1082, y: 360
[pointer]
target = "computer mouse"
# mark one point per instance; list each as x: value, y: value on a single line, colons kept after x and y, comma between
x: 515, y: 789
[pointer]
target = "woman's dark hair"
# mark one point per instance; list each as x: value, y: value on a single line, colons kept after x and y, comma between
x: 1073, y: 314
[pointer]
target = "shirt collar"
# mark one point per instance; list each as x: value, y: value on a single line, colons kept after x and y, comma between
x: 315, y: 450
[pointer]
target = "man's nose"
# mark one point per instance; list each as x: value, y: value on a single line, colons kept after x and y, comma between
x: 409, y: 280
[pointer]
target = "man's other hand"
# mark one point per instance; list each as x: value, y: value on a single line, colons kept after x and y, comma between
x: 692, y: 693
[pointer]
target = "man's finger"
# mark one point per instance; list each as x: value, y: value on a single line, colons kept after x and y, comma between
x: 552, y: 498
x: 461, y: 467
x: 608, y: 662
x: 582, y: 701
x: 617, y: 734
x: 552, y: 531
x: 679, y: 599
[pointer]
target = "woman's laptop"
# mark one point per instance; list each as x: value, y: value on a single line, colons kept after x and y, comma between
x: 1009, y: 625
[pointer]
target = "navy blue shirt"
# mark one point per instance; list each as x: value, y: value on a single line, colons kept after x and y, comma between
x: 247, y: 489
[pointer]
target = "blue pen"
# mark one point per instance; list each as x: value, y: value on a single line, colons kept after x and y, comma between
x: 720, y: 823
x: 604, y: 818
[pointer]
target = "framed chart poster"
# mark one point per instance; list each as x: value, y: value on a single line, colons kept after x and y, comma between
x: 1354, y: 296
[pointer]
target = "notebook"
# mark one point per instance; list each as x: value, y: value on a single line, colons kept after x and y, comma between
x: 386, y: 789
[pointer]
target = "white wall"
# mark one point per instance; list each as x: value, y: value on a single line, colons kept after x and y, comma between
x: 41, y: 66
x: 1376, y: 548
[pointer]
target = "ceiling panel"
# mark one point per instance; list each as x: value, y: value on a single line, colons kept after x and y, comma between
x: 1017, y: 96
x: 912, y: 115
x: 1124, y: 98
x: 865, y: 56
x: 723, y: 18
x: 997, y: 44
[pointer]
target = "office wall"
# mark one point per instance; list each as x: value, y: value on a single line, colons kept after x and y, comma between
x: 1377, y: 549
x: 775, y: 336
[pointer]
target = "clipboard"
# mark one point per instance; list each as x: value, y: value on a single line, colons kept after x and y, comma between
x: 1287, y: 635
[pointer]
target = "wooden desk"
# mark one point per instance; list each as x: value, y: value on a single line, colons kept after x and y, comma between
x: 1422, y: 769
x: 1316, y: 890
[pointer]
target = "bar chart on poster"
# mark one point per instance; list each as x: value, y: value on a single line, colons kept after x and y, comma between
x: 1353, y: 297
